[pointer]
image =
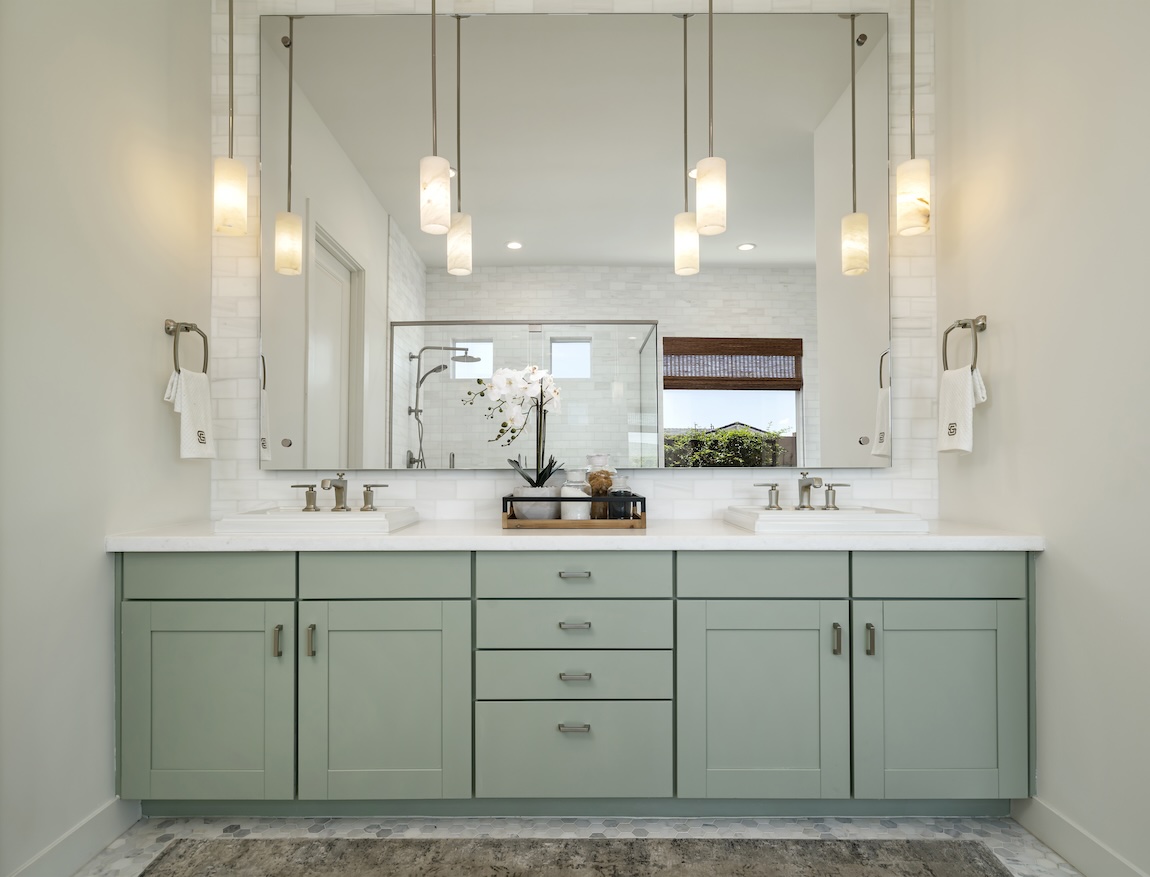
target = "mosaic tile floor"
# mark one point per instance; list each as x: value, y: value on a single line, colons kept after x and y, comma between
x: 1022, y: 853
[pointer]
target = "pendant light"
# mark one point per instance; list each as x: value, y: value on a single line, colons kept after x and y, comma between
x: 686, y: 228
x: 434, y: 170
x: 912, y: 178
x: 289, y: 226
x: 459, y: 234
x: 711, y: 172
x: 856, y: 227
x: 230, y: 199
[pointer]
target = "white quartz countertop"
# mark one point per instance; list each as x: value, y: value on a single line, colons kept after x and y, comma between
x: 680, y: 535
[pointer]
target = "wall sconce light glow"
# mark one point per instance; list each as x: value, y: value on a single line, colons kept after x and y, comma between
x: 856, y: 244
x: 459, y: 245
x: 747, y: 246
x: 434, y: 194
x: 686, y: 244
x: 711, y: 196
x: 231, y: 196
x: 289, y: 243
x: 514, y: 245
x: 912, y: 196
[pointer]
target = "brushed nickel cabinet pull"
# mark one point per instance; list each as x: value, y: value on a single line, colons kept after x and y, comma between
x: 277, y: 649
x: 311, y: 640
x: 575, y: 677
x: 575, y: 575
x: 870, y: 638
x: 574, y: 625
x: 837, y: 645
x: 574, y: 729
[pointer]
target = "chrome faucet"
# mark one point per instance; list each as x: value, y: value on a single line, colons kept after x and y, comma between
x: 340, y: 485
x: 805, y: 485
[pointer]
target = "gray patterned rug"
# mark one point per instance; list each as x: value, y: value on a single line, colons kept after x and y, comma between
x: 622, y: 857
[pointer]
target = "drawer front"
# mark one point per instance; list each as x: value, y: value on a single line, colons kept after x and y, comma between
x: 586, y: 624
x: 807, y: 575
x: 948, y: 574
x: 573, y: 574
x: 383, y: 575
x: 224, y: 575
x: 573, y: 675
x: 625, y: 751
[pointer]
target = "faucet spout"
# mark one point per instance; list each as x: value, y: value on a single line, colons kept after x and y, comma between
x: 805, y: 485
x: 339, y: 484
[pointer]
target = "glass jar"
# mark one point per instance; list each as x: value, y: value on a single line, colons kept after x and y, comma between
x: 620, y: 509
x: 576, y: 486
x: 600, y: 475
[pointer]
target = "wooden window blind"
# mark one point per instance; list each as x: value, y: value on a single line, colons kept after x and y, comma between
x: 732, y: 363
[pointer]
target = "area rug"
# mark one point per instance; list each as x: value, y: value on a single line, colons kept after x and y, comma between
x: 616, y: 857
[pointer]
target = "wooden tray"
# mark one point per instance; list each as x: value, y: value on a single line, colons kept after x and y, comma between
x: 510, y: 522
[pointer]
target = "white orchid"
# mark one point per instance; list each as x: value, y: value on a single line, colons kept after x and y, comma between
x: 507, y: 383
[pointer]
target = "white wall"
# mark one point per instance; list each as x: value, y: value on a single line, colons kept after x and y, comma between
x: 1042, y: 187
x: 104, y: 232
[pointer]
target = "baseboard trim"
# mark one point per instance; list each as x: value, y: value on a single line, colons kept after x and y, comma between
x: 1071, y: 841
x: 68, y: 853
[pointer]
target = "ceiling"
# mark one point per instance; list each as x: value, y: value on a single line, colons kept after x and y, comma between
x: 572, y: 125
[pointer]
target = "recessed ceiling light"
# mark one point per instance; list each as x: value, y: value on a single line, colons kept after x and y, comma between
x: 514, y: 245
x: 746, y: 246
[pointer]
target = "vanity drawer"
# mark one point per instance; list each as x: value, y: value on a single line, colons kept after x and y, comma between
x: 925, y: 574
x: 539, y: 675
x: 224, y: 575
x: 805, y: 575
x: 384, y: 575
x: 625, y: 751
x: 602, y: 574
x: 588, y: 624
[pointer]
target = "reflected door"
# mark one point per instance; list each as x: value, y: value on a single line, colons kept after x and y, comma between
x: 328, y: 360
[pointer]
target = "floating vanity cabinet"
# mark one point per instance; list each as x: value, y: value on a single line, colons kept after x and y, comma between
x: 207, y: 684
x: 763, y: 684
x: 385, y: 684
x: 940, y: 685
x: 574, y: 675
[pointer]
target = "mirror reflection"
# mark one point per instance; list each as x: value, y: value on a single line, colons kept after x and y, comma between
x: 583, y: 164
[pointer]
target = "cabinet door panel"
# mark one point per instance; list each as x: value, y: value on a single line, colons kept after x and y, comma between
x: 763, y: 701
x: 385, y: 700
x: 940, y: 707
x: 207, y: 707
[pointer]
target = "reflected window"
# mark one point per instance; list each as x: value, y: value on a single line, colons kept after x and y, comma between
x: 571, y: 357
x: 481, y: 370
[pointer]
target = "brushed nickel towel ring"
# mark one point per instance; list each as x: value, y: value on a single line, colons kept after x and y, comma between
x: 975, y: 325
x: 171, y: 327
x: 884, y: 355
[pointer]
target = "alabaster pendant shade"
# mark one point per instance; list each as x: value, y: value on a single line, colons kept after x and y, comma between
x: 912, y: 196
x: 289, y: 243
x: 434, y: 194
x: 856, y: 244
x: 686, y: 244
x: 711, y: 196
x: 231, y: 196
x: 459, y: 245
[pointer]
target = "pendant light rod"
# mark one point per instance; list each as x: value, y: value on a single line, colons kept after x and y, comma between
x: 912, y: 79
x: 458, y: 116
x: 854, y: 162
x: 710, y: 77
x: 289, y: 44
x: 686, y: 176
x: 434, y: 106
x: 231, y: 79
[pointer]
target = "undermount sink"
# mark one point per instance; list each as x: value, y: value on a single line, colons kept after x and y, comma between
x: 269, y: 522
x: 863, y: 519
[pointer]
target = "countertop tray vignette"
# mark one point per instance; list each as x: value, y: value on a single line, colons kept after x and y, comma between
x: 636, y: 519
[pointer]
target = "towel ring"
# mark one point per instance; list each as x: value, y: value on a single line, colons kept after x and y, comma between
x: 975, y: 325
x: 881, y: 356
x: 171, y: 327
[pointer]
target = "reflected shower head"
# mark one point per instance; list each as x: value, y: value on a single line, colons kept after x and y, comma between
x: 429, y: 373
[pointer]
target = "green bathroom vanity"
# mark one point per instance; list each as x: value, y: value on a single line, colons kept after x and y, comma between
x: 567, y: 675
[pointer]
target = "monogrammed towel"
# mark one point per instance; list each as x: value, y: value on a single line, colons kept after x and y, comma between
x: 881, y: 444
x: 961, y: 389
x: 192, y: 400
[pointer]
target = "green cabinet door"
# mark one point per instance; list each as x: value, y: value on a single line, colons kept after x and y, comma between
x: 207, y: 700
x: 384, y: 699
x: 763, y: 699
x: 940, y: 698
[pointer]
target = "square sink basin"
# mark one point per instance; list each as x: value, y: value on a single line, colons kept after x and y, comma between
x: 285, y: 522
x: 863, y: 519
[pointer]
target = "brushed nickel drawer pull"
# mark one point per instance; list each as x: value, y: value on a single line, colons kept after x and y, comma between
x: 574, y: 729
x: 575, y: 677
x: 311, y: 640
x: 277, y: 649
x: 575, y: 575
x: 870, y: 639
x: 574, y: 625
x: 837, y: 646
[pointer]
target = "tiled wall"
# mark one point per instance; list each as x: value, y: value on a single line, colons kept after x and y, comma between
x: 237, y: 482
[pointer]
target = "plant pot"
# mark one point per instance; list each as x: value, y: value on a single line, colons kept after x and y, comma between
x: 536, y: 511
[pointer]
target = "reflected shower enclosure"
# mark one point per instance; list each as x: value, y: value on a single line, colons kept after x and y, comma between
x: 607, y: 373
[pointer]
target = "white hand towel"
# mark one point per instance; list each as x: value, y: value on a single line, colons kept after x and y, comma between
x: 961, y: 389
x: 265, y: 433
x: 194, y: 404
x: 881, y: 444
x: 173, y: 390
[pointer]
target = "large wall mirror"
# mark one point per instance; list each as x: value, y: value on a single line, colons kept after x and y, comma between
x: 571, y: 143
